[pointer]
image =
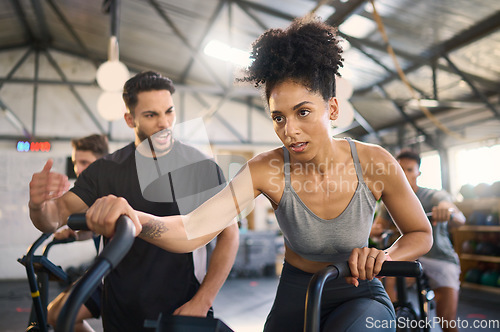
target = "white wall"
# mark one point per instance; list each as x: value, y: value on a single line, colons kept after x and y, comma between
x: 16, y: 169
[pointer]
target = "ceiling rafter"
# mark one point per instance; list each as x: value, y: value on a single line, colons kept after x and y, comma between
x: 43, y: 81
x: 16, y: 66
x: 264, y: 9
x: 73, y: 33
x: 473, y: 87
x: 11, y: 115
x: 197, y: 48
x: 35, y: 92
x: 254, y: 17
x: 46, y: 37
x: 75, y: 93
x: 14, y: 120
x: 354, y: 43
x: 185, y: 41
x: 343, y: 10
x: 463, y: 38
x: 445, y: 111
x: 428, y: 139
x: 407, y: 56
x: 30, y: 36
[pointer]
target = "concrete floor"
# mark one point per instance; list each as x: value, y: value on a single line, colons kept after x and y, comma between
x: 242, y: 316
x: 243, y: 304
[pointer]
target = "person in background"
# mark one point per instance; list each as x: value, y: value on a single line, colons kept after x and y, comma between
x: 441, y: 264
x: 84, y: 152
x: 149, y: 281
x: 323, y: 190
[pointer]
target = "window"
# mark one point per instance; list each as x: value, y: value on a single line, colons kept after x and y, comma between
x: 431, y: 171
x: 478, y: 165
x: 475, y: 164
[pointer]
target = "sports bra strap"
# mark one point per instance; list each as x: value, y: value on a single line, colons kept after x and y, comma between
x: 354, y: 154
x: 286, y: 160
x: 355, y: 158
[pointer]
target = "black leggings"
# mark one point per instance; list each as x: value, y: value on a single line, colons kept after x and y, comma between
x: 343, y: 306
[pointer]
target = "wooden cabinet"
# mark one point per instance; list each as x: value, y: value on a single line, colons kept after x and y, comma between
x: 469, y: 240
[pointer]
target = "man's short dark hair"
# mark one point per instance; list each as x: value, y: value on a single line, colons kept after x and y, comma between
x: 409, y: 154
x: 97, y: 144
x: 144, y: 81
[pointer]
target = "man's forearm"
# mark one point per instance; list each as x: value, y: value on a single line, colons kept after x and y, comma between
x: 45, y: 217
x: 220, y: 265
x: 457, y: 218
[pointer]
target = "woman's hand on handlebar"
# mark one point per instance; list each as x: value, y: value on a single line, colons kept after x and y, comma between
x: 365, y: 263
x: 103, y: 214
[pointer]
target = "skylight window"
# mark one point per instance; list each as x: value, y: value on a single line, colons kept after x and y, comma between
x: 222, y: 51
x: 358, y: 26
x: 325, y: 12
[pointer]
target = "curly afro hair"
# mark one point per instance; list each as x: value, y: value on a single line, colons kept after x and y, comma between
x: 307, y: 52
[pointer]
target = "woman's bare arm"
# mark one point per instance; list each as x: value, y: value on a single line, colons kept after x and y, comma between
x: 178, y: 233
x: 407, y: 213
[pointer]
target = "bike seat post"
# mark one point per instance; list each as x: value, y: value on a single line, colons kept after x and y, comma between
x: 401, y: 289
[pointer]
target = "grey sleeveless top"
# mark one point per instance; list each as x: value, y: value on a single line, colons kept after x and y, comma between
x: 326, y: 240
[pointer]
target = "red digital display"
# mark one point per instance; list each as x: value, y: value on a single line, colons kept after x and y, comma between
x: 27, y: 146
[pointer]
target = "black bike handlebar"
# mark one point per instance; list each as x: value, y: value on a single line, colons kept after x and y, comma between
x: 124, y: 233
x: 339, y: 270
x: 78, y: 222
x: 112, y: 254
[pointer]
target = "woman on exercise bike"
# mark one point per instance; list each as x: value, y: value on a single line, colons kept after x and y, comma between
x: 323, y: 189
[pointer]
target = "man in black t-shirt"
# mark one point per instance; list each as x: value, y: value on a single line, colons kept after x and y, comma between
x: 149, y: 280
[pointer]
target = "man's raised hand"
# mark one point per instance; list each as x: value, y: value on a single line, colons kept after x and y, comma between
x: 46, y: 185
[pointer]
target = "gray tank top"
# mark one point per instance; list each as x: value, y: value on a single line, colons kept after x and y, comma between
x: 326, y: 240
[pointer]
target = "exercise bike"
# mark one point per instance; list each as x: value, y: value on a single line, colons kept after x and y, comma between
x: 340, y: 270
x: 413, y: 317
x: 40, y: 271
x: 121, y: 243
x: 112, y: 254
x: 406, y: 309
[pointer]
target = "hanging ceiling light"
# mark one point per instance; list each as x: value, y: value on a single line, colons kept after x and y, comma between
x: 110, y: 105
x: 346, y: 114
x: 112, y: 74
x: 344, y: 90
